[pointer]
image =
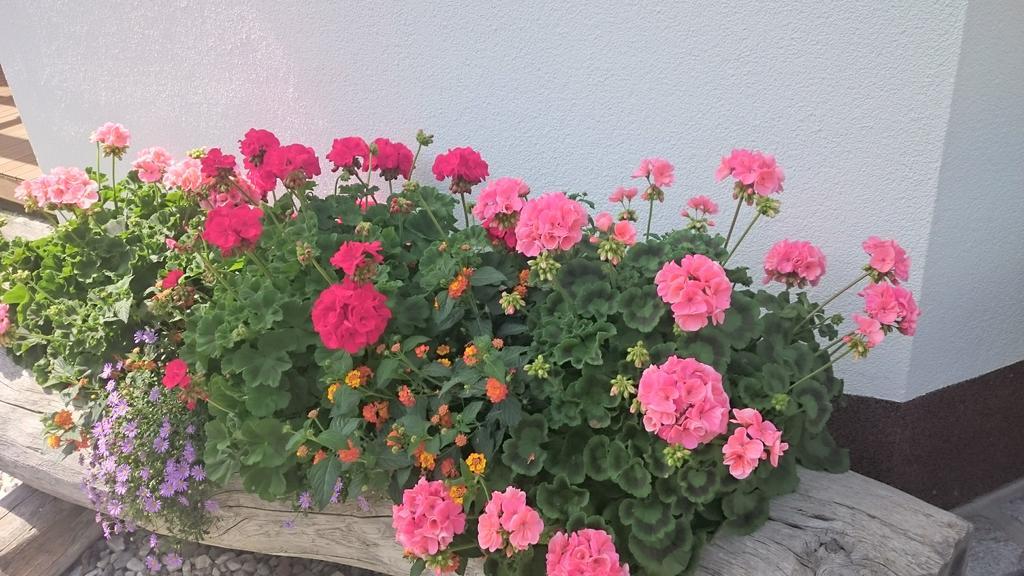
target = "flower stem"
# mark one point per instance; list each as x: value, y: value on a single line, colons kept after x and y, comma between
x: 337, y: 182
x: 821, y: 369
x: 321, y: 270
x: 263, y: 267
x: 837, y: 341
x: 740, y: 241
x: 465, y: 208
x: 113, y: 179
x: 218, y: 406
x: 97, y: 162
x: 430, y: 213
x: 735, y: 216
x: 829, y: 301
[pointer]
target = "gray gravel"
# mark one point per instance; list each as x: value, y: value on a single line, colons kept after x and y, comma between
x: 125, y: 556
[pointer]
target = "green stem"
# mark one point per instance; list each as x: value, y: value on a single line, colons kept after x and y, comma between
x: 213, y: 269
x: 97, y: 162
x: 337, y: 183
x: 322, y: 272
x: 829, y: 301
x: 465, y: 208
x: 219, y: 407
x: 650, y: 216
x: 430, y: 213
x: 259, y: 262
x: 740, y: 241
x: 837, y: 341
x: 113, y: 179
x: 821, y: 369
x: 732, y: 226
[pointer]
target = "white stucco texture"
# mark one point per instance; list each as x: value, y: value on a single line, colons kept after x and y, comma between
x: 854, y: 99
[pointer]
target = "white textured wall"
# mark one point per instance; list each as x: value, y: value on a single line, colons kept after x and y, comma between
x: 853, y: 98
x: 975, y: 274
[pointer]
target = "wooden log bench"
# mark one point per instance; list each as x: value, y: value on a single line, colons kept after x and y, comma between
x: 41, y: 535
x: 834, y: 525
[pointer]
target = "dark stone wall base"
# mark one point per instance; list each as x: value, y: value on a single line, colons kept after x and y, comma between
x: 946, y: 447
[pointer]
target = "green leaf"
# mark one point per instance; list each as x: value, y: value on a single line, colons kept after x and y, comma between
x: 488, y: 276
x: 524, y: 451
x: 18, y: 294
x: 323, y: 477
x: 386, y: 371
x: 559, y: 499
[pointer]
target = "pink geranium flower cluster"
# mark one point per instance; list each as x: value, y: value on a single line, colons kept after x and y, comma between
x: 186, y: 174
x: 176, y: 375
x: 550, y: 222
x: 499, y: 206
x: 463, y: 165
x: 353, y: 256
x: 659, y: 171
x: 151, y: 163
x: 349, y: 153
x: 756, y: 439
x: 507, y: 522
x: 794, y: 263
x: 697, y: 289
x: 428, y: 519
x: 753, y: 170
x: 586, y: 552
x: 683, y: 402
x: 233, y: 227
x: 5, y: 318
x: 62, y: 187
x: 113, y: 138
x: 350, y: 316
x: 891, y: 306
x: 267, y: 161
x: 613, y: 237
x: 888, y: 259
x: 392, y: 159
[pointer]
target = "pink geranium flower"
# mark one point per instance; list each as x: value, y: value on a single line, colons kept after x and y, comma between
x: 151, y: 163
x: 703, y: 204
x: 464, y: 166
x: 233, y: 228
x: 586, y: 552
x: 350, y: 316
x: 428, y: 519
x: 5, y: 318
x: 392, y: 159
x: 216, y: 164
x: 550, y: 222
x: 697, y: 289
x: 186, y: 174
x: 794, y: 263
x: 352, y: 255
x: 754, y: 170
x: 113, y: 138
x: 349, y: 153
x: 507, y: 522
x: 604, y: 221
x: 498, y: 208
x: 624, y: 232
x: 870, y: 329
x: 622, y: 194
x: 172, y: 278
x: 891, y: 305
x: 742, y: 453
x: 176, y: 374
x: 62, y: 187
x: 888, y: 259
x: 660, y: 171
x: 683, y: 402
x: 292, y: 164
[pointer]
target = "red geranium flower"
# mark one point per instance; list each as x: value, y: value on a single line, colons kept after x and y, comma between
x: 350, y: 153
x: 350, y: 316
x: 232, y: 227
x: 176, y: 374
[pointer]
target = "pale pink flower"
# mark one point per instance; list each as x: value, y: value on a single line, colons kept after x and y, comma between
x: 5, y: 318
x: 794, y: 263
x: 428, y: 519
x: 550, y: 222
x: 697, y: 289
x: 604, y: 221
x: 623, y: 193
x: 772, y: 439
x: 112, y: 137
x: 703, y: 204
x: 586, y: 552
x: 891, y: 305
x: 658, y: 170
x: 73, y: 187
x: 624, y: 232
x: 151, y: 163
x: 683, y: 402
x: 754, y: 170
x: 498, y: 208
x: 750, y: 419
x: 507, y: 514
x: 888, y: 258
x: 870, y: 329
x: 186, y: 174
x: 742, y: 453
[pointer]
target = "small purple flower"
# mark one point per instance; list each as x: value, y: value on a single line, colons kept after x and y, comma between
x: 288, y: 524
x: 114, y: 508
x: 150, y: 505
x: 305, y: 501
x: 154, y: 541
x: 146, y: 335
x: 130, y: 429
x: 172, y: 560
x: 363, y: 504
x: 199, y: 473
x: 183, y: 501
x: 154, y: 394
x: 211, y: 506
x: 152, y: 564
x: 108, y: 371
x: 111, y: 385
x: 165, y: 429
x: 145, y: 473
x: 160, y: 445
x: 190, y: 429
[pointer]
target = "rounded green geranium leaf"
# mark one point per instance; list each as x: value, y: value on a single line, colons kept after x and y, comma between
x: 635, y: 479
x: 524, y: 452
x: 641, y: 307
x: 560, y: 499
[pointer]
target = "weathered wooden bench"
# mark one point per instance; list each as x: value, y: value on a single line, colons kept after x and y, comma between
x: 833, y: 525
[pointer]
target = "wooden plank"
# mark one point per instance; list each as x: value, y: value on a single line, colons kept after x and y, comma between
x: 41, y: 535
